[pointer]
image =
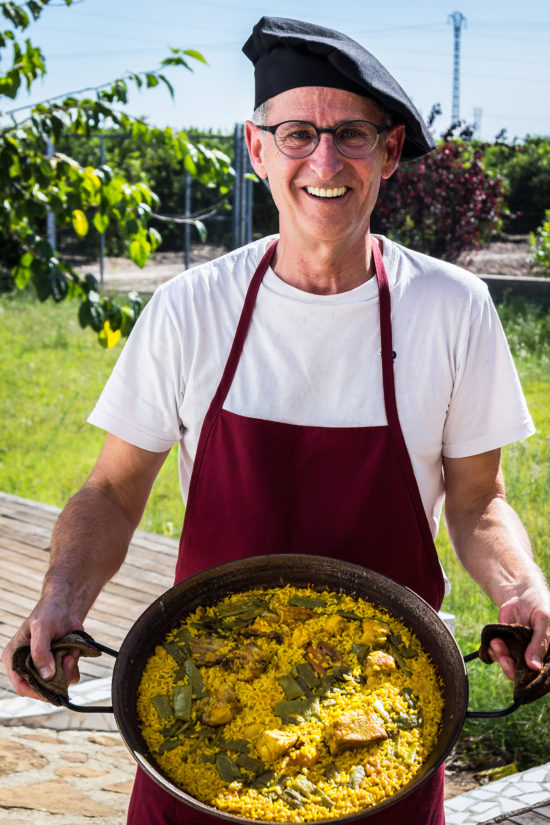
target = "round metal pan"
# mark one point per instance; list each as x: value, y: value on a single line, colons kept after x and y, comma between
x: 319, y: 572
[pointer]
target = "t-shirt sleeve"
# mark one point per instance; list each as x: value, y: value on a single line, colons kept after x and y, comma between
x: 140, y: 401
x: 487, y: 408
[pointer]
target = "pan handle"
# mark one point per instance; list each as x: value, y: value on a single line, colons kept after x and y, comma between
x: 55, y: 691
x: 529, y: 685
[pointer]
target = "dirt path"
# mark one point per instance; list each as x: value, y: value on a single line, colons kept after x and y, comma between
x: 507, y: 256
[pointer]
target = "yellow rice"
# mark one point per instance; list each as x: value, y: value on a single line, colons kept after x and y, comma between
x: 383, y: 770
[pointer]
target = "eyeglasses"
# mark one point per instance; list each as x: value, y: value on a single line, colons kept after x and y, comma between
x: 298, y: 138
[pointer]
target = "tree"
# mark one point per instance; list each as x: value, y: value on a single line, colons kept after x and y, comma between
x: 35, y: 180
x: 444, y: 204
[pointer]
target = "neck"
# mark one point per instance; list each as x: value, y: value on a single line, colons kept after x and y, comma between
x: 324, y: 269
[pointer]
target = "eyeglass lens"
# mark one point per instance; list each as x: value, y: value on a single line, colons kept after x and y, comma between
x: 355, y: 139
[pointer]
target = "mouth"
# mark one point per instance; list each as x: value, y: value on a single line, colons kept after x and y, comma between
x: 322, y: 192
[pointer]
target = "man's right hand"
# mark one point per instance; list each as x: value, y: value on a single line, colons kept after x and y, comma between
x: 48, y: 621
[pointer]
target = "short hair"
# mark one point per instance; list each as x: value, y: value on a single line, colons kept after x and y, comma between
x: 261, y: 113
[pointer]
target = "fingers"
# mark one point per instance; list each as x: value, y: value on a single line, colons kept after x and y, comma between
x: 41, y: 653
x: 538, y: 646
x: 48, y: 621
x: 498, y: 651
x: 70, y: 667
x: 21, y: 686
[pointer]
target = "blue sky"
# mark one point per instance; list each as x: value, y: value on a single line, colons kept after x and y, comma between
x: 505, y: 54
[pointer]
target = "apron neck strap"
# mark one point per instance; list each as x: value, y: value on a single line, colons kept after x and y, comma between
x: 242, y: 329
x: 384, y: 301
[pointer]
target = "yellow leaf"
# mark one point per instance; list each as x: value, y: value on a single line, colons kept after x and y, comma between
x: 108, y: 337
x: 80, y: 222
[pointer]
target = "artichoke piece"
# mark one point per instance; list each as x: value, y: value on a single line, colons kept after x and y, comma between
x: 356, y: 776
x: 254, y: 766
x: 406, y: 749
x: 296, y: 710
x: 182, y: 702
x: 227, y: 768
x: 291, y: 687
x: 265, y: 780
x: 307, y: 674
x: 163, y: 706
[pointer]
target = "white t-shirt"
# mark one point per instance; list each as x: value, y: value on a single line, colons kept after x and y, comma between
x: 315, y: 360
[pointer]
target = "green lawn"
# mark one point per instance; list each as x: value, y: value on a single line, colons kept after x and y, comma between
x: 51, y: 373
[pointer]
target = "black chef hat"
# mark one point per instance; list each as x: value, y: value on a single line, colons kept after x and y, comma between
x: 289, y: 53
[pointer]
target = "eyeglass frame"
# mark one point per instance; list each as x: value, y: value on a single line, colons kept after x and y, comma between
x: 380, y: 129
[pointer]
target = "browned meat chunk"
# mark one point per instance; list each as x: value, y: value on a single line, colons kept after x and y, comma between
x: 221, y: 709
x: 354, y: 729
x: 291, y: 614
x: 208, y: 650
x: 247, y: 662
x: 378, y: 662
x: 375, y: 633
x: 322, y: 657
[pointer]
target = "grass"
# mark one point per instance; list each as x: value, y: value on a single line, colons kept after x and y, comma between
x: 52, y: 372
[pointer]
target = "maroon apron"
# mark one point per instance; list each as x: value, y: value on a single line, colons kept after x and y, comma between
x: 262, y: 486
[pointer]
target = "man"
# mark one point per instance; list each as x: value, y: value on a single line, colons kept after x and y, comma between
x: 326, y: 391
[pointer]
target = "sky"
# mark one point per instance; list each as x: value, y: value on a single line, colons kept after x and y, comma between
x: 504, y: 55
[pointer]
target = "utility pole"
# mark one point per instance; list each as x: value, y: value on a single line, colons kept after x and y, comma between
x: 458, y: 20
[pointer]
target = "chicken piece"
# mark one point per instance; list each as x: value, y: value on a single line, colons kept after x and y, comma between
x: 209, y: 650
x: 220, y: 709
x: 322, y: 657
x: 292, y: 614
x: 335, y: 624
x: 272, y: 744
x: 378, y: 662
x: 247, y: 662
x: 375, y: 633
x: 302, y: 635
x: 261, y: 627
x: 305, y: 757
x: 354, y: 729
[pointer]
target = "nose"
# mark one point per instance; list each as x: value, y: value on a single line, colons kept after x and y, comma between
x: 326, y: 160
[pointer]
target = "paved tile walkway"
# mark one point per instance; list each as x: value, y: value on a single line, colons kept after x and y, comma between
x: 512, y: 799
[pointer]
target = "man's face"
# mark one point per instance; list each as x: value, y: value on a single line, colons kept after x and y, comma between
x: 342, y: 212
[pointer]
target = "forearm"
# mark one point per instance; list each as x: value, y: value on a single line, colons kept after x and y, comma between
x: 493, y: 546
x: 89, y: 543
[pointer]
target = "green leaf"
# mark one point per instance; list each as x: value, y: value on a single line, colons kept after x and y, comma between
x: 139, y: 251
x: 21, y: 276
x: 101, y: 221
x: 201, y: 229
x: 151, y: 80
x: 197, y: 55
x: 80, y: 222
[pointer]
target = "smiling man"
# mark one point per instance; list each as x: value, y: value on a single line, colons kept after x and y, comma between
x: 327, y: 388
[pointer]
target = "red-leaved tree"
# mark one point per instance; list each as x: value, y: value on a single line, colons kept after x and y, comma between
x: 444, y: 204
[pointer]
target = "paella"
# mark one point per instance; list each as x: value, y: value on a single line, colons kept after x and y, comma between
x: 290, y: 704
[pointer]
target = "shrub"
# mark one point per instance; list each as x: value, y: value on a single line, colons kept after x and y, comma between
x: 525, y: 168
x: 539, y: 247
x: 443, y: 204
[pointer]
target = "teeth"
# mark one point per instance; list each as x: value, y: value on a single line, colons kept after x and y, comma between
x: 321, y: 192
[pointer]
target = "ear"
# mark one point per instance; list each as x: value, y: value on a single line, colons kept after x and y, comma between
x: 395, y: 138
x: 254, y: 141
